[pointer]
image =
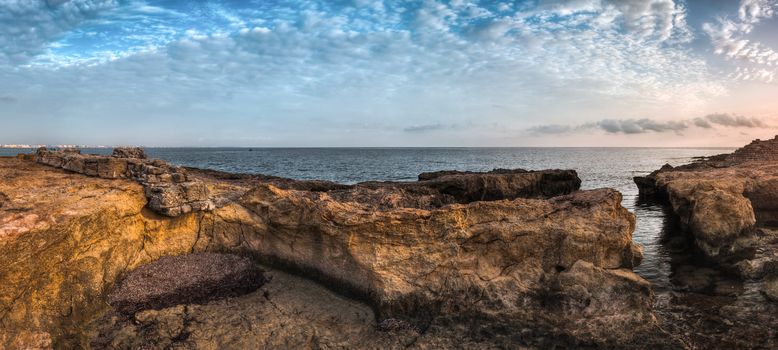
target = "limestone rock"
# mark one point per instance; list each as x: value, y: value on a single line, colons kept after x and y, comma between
x: 728, y: 204
x: 721, y: 207
x: 757, y: 150
x: 169, y: 190
x: 483, y: 259
x: 509, y: 273
x: 502, y: 184
x: 129, y: 152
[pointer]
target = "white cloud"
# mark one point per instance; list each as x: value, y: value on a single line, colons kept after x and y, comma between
x: 753, y: 11
x: 647, y: 125
x: 658, y: 19
x: 386, y: 63
x: 27, y: 26
x: 729, y: 39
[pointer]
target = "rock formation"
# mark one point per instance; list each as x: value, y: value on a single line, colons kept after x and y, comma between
x: 724, y: 206
x: 168, y: 189
x: 427, y: 264
x: 728, y: 204
x: 757, y: 150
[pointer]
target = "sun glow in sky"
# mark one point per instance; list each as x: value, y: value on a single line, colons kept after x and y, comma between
x: 389, y: 73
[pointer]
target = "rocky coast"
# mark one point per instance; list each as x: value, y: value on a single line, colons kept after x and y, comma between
x: 125, y: 252
x: 727, y: 203
x: 726, y: 210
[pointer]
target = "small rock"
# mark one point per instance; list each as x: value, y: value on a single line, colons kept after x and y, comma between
x: 770, y: 289
x: 396, y: 325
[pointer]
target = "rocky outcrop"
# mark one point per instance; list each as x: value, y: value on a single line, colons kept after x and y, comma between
x: 169, y: 190
x: 481, y: 259
x: 521, y: 272
x: 129, y: 152
x: 758, y: 150
x: 728, y: 204
x: 467, y: 186
x: 724, y: 208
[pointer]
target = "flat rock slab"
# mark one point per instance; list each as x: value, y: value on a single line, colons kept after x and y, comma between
x: 187, y: 279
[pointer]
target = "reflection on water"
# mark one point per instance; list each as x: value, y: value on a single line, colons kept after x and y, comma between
x: 653, y: 224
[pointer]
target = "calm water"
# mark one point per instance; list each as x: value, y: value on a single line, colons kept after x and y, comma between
x: 597, y: 167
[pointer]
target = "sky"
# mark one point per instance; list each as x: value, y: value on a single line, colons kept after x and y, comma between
x: 346, y: 73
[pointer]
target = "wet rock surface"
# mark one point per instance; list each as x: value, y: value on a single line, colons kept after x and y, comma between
x: 187, y: 279
x: 505, y: 273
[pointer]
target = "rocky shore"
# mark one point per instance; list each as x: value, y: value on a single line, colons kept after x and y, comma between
x: 504, y: 259
x: 728, y: 204
x: 727, y: 209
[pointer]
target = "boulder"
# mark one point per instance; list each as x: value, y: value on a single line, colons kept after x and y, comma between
x: 770, y: 289
x: 129, y: 152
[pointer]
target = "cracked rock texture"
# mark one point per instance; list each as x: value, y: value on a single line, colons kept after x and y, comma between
x: 518, y: 272
x: 730, y: 208
x: 169, y: 190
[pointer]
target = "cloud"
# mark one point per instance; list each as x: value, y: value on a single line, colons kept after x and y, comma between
x: 7, y: 99
x: 735, y: 120
x: 430, y: 127
x: 26, y: 27
x: 646, y: 125
x: 657, y: 19
x: 729, y: 38
x: 702, y: 123
x: 753, y: 11
x: 277, y: 66
x: 639, y: 126
x: 551, y: 129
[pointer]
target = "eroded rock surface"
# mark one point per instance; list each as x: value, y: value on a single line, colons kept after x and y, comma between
x: 725, y: 206
x: 169, y: 190
x: 287, y: 313
x: 515, y: 273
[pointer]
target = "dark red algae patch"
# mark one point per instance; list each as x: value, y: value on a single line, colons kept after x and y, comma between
x: 187, y: 279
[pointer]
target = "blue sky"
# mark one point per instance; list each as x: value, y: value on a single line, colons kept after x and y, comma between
x: 389, y: 73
